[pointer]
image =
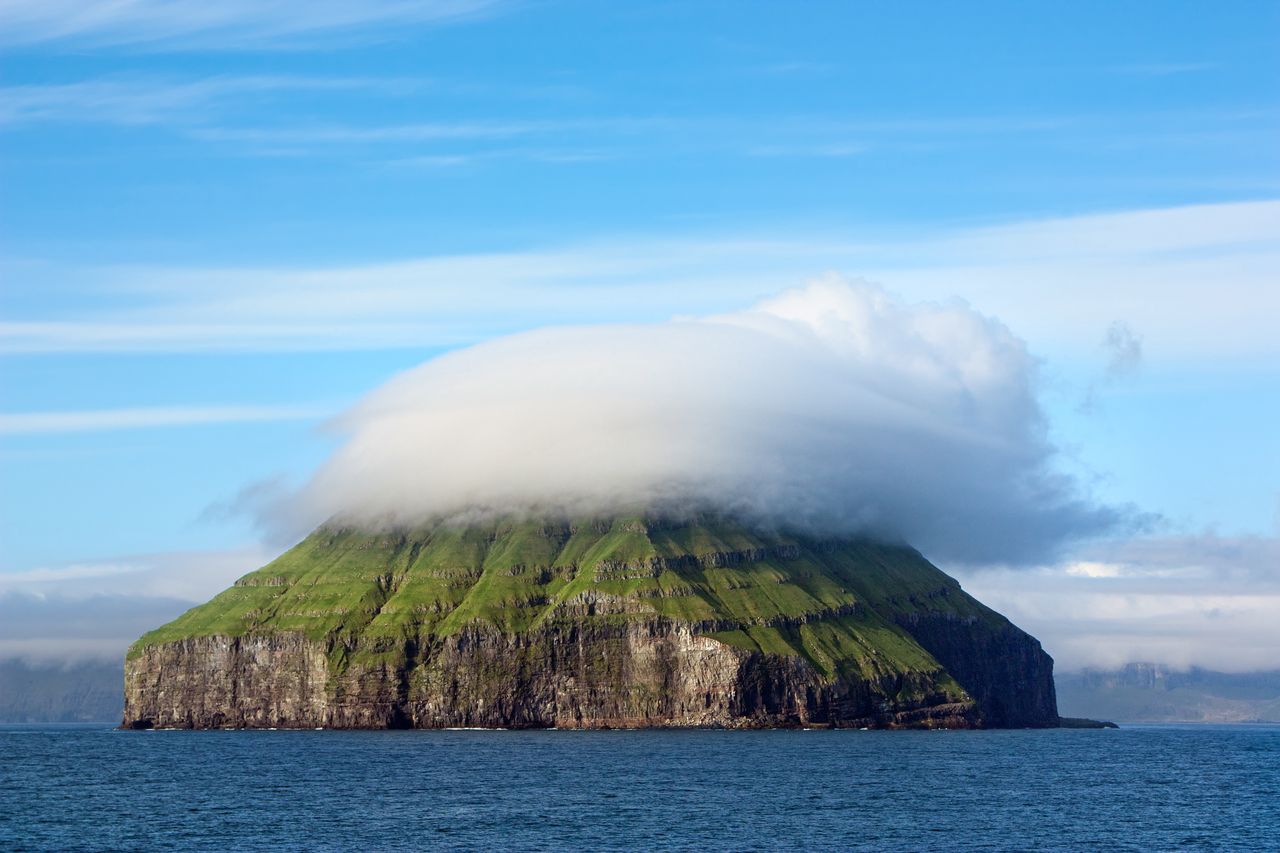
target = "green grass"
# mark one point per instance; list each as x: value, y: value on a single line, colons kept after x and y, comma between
x: 837, y: 605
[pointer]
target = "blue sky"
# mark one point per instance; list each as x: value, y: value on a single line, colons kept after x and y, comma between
x: 218, y: 228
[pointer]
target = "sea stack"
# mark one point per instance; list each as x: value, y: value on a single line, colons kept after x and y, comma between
x: 623, y: 622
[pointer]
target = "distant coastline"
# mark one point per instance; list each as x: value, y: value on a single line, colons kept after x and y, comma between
x: 1156, y: 693
x: 87, y: 691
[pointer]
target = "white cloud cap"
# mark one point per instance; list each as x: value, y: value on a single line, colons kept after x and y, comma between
x: 832, y: 407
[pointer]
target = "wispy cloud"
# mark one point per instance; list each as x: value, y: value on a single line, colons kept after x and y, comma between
x: 1049, y: 279
x: 23, y: 423
x: 1123, y: 348
x: 1170, y: 229
x: 453, y: 160
x: 146, y: 100
x: 188, y: 575
x: 790, y: 134
x: 300, y: 116
x: 417, y: 132
x: 227, y: 24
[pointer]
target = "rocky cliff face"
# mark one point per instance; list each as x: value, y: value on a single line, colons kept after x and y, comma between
x: 626, y: 623
x: 1004, y: 668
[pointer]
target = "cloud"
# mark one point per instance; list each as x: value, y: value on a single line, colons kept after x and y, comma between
x: 1171, y: 229
x: 1124, y: 356
x: 796, y: 135
x: 564, y: 156
x: 1051, y: 279
x: 60, y: 629
x: 228, y: 24
x: 418, y: 132
x: 21, y: 423
x: 94, y: 610
x: 186, y: 575
x: 1124, y: 349
x: 1184, y: 600
x: 132, y: 100
x: 832, y: 407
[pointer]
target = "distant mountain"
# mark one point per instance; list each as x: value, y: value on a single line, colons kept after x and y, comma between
x: 87, y: 692
x: 594, y: 623
x: 1148, y: 692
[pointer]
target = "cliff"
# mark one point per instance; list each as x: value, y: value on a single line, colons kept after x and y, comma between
x: 597, y: 623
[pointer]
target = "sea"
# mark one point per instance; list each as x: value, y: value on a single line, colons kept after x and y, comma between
x: 1139, y: 788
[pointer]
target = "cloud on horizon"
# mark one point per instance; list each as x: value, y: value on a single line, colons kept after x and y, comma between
x: 94, y: 610
x: 1183, y: 600
x: 832, y: 408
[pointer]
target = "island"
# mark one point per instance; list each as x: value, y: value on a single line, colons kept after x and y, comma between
x: 622, y: 622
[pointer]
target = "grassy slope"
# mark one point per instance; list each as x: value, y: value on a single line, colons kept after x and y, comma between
x: 340, y: 586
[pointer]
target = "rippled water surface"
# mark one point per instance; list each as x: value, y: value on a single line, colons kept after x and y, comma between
x: 1139, y: 788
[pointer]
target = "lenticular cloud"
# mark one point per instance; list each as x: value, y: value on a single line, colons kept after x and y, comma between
x: 832, y: 408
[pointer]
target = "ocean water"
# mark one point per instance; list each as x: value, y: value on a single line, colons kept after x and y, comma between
x: 71, y: 788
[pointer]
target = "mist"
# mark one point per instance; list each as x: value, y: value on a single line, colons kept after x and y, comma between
x: 832, y: 408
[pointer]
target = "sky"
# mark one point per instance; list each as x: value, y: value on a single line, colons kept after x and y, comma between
x: 222, y: 227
